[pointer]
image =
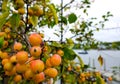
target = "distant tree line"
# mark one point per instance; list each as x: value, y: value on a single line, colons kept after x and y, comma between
x: 100, y: 45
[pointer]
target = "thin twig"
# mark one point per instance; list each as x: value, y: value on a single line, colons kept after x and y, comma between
x: 75, y: 36
x: 66, y: 5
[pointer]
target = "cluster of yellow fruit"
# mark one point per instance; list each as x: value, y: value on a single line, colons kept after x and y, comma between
x: 24, y: 65
x: 5, y: 34
x: 20, y: 6
x: 35, y: 10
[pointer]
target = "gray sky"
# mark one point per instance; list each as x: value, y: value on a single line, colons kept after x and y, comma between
x: 98, y: 8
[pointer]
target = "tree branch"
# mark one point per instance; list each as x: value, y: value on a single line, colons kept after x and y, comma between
x: 66, y: 5
x: 26, y: 38
x: 75, y: 35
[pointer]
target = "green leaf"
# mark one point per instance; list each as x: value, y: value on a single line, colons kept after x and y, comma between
x: 34, y: 20
x: 81, y: 61
x: 72, y: 18
x: 70, y: 43
x: 100, y: 80
x: 57, y: 34
x: 85, y: 10
x: 69, y: 54
x: 51, y: 24
x: 3, y: 18
x: 14, y: 20
x: 56, y: 44
x: 1, y: 41
x: 64, y: 20
x: 86, y: 2
x: 83, y: 25
x: 70, y: 79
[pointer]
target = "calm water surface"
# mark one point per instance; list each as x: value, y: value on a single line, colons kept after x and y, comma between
x: 111, y: 58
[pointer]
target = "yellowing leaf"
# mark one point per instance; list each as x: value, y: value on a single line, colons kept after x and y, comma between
x: 3, y: 17
x: 14, y: 20
x: 100, y: 60
x: 4, y: 5
x: 53, y: 10
x: 34, y: 20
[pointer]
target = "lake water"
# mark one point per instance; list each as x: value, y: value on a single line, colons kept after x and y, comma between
x: 111, y: 58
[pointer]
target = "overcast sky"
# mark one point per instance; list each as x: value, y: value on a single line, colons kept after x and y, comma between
x: 100, y: 7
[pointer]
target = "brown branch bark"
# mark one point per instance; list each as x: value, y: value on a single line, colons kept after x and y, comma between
x: 26, y: 38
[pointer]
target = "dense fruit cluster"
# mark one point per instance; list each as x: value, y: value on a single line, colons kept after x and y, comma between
x: 28, y: 65
x: 25, y: 58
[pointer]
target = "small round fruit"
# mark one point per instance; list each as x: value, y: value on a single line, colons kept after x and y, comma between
x: 17, y: 46
x: 55, y: 60
x: 35, y: 39
x: 8, y: 66
x: 17, y: 78
x: 7, y: 30
x: 110, y: 78
x: 87, y: 74
x: 19, y: 3
x: 48, y: 64
x: 83, y: 79
x: 69, y: 68
x: 20, y: 68
x: 37, y: 66
x: 21, y: 11
x: 11, y: 72
x: 0, y: 53
x: 13, y: 59
x: 28, y: 74
x: 4, y: 61
x: 22, y: 57
x: 5, y: 44
x: 51, y: 72
x: 60, y: 52
x: 4, y: 55
x: 2, y: 34
x: 82, y: 75
x: 39, y: 12
x: 7, y: 24
x: 35, y: 51
x: 39, y: 77
x: 30, y: 11
x: 78, y: 67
